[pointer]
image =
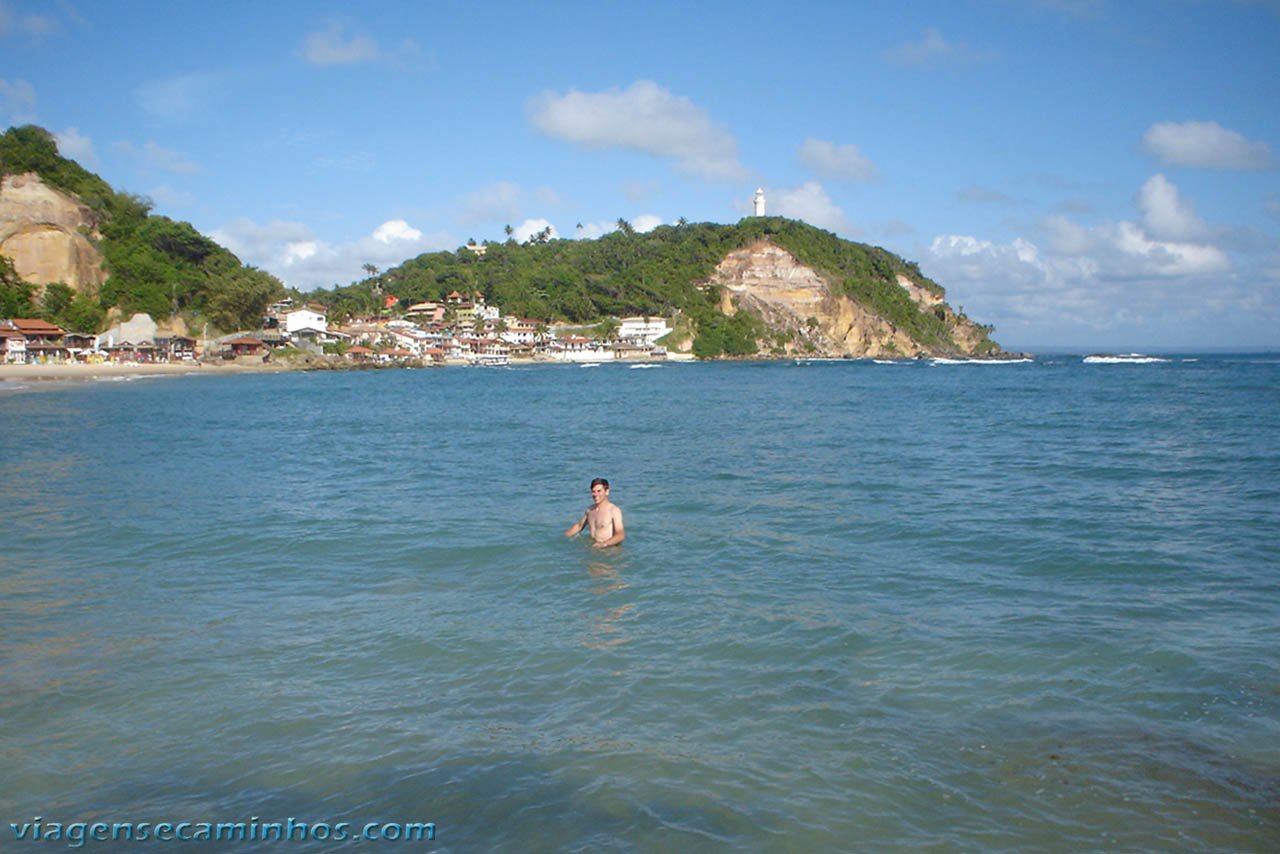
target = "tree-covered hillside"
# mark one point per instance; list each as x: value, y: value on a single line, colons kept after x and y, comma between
x: 628, y: 273
x: 154, y: 264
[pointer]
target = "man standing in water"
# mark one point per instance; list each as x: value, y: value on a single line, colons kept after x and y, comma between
x: 603, y: 518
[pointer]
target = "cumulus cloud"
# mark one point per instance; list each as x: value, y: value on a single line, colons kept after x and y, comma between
x: 1206, y: 144
x: 530, y: 227
x: 836, y: 162
x: 17, y: 102
x: 292, y: 252
x: 332, y: 46
x: 157, y: 157
x: 74, y: 145
x: 808, y: 202
x: 642, y: 223
x: 933, y: 50
x: 396, y: 230
x: 644, y: 117
x: 1165, y: 214
x: 1126, y: 278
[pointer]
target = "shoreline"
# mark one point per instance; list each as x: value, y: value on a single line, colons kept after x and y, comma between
x: 79, y: 371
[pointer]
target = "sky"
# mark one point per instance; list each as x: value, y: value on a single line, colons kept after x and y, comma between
x: 1097, y: 174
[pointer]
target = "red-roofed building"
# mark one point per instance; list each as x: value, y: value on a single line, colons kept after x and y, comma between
x: 43, y: 340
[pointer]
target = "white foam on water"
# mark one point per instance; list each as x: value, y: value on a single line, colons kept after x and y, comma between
x: 638, y: 367
x: 1122, y: 359
x: 942, y: 361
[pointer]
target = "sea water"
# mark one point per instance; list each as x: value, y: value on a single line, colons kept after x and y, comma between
x: 860, y: 606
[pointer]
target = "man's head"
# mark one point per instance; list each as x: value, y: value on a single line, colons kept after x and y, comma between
x: 599, y: 489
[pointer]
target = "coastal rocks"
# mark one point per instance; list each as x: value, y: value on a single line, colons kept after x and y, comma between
x: 801, y: 311
x: 48, y: 234
x: 805, y: 316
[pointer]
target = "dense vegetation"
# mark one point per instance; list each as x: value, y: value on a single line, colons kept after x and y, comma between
x: 627, y: 273
x: 155, y: 265
x: 163, y: 268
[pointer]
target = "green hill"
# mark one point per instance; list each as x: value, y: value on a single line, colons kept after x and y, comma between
x: 154, y: 264
x: 660, y: 273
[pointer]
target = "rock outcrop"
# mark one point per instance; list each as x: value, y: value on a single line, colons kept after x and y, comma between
x: 806, y: 316
x: 48, y: 234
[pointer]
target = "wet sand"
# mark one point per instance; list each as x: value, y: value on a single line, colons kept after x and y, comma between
x: 76, y: 371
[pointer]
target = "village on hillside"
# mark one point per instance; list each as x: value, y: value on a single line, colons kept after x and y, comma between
x: 461, y: 330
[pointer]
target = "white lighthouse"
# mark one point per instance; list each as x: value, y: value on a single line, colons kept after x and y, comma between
x: 758, y: 201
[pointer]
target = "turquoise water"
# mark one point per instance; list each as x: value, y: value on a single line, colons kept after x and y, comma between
x: 860, y: 606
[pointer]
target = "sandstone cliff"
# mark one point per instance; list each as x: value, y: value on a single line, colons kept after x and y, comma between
x: 806, y: 315
x: 48, y: 234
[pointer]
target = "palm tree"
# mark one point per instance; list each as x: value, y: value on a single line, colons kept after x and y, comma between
x: 510, y: 232
x: 625, y: 227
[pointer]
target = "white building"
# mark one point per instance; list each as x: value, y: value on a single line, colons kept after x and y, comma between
x: 305, y: 318
x: 643, y: 330
x: 758, y: 202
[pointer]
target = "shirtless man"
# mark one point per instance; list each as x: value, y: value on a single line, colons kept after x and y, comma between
x: 603, y: 518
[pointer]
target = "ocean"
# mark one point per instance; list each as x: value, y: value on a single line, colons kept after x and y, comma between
x: 861, y: 606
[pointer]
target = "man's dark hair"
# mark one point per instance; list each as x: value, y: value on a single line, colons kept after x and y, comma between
x: 599, y: 482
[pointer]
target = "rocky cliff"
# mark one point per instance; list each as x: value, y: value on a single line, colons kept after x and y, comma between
x: 805, y: 315
x: 48, y: 234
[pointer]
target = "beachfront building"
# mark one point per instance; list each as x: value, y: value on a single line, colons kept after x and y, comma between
x: 42, y: 340
x: 13, y: 346
x: 642, y: 331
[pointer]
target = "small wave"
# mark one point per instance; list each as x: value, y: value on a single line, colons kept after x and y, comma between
x: 1122, y: 359
x: 890, y: 362
x: 638, y: 367
x: 589, y: 365
x: 942, y: 361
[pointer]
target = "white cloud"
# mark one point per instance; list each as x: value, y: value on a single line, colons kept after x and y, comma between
x: 1165, y: 215
x: 644, y: 117
x: 530, y: 227
x: 646, y: 223
x: 933, y: 50
x: 808, y: 202
x: 1109, y: 281
x: 396, y: 230
x: 836, y: 162
x: 332, y: 46
x: 292, y: 252
x: 1206, y: 144
x: 74, y: 145
x: 158, y: 157
x: 17, y: 102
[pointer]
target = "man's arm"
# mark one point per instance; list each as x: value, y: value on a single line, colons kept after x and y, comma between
x: 619, y: 533
x: 576, y: 527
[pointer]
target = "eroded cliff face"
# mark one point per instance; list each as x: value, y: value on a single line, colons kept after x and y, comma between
x: 48, y: 234
x: 806, y: 317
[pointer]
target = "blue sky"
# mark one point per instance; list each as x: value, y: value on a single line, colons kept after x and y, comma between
x: 1080, y: 173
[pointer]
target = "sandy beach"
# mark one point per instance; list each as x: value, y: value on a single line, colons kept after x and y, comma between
x: 78, y: 371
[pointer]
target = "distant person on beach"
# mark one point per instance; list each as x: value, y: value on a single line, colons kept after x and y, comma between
x: 603, y: 518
